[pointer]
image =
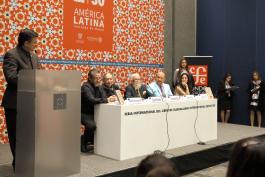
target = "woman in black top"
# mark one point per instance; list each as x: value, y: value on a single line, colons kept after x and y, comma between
x: 256, y: 98
x: 182, y: 88
x: 225, y: 97
x: 183, y: 68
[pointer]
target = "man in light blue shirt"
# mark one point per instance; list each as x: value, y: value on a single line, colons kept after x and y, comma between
x: 158, y: 88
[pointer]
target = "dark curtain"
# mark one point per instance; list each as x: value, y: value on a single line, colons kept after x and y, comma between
x: 233, y: 31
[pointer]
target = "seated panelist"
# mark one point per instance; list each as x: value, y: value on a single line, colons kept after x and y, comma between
x: 158, y: 88
x: 108, y: 84
x: 92, y: 93
x: 182, y: 87
x: 136, y: 88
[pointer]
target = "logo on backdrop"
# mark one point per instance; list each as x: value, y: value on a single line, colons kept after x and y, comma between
x: 88, y: 24
x: 81, y: 1
x: 200, y: 74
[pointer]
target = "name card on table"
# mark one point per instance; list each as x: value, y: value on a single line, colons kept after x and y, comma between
x: 202, y: 97
x: 188, y: 97
x: 209, y: 92
x: 155, y: 99
x: 174, y: 98
x: 136, y: 100
x: 119, y: 97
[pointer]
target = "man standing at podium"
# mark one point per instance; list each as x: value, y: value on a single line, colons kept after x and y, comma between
x: 19, y: 58
x: 92, y: 93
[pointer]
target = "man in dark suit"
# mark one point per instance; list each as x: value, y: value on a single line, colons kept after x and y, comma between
x: 92, y: 93
x: 19, y: 58
x: 136, y: 88
x: 108, y: 84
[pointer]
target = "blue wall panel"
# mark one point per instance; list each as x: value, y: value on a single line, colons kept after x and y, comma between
x: 234, y: 33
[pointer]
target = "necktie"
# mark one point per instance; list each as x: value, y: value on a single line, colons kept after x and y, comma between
x: 162, y: 91
x: 138, y: 93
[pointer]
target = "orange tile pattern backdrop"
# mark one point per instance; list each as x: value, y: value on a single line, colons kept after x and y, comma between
x: 137, y: 40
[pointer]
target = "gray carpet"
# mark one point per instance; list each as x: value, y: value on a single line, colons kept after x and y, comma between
x: 216, y: 171
x: 94, y: 165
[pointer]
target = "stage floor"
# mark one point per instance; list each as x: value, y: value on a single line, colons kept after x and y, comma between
x: 94, y: 165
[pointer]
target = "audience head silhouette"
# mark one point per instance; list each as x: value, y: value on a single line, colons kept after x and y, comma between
x: 156, y: 165
x: 247, y: 159
x: 163, y: 171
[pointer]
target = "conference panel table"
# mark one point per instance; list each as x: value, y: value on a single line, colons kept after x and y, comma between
x: 132, y: 130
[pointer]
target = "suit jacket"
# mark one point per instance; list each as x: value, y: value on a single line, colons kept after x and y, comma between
x: 222, y: 92
x: 130, y: 92
x: 110, y: 90
x: 90, y: 96
x: 15, y: 60
x: 153, y: 90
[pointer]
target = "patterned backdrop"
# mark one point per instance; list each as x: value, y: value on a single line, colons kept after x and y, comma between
x: 138, y: 40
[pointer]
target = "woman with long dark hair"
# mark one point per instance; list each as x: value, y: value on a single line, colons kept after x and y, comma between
x: 182, y: 87
x: 225, y: 97
x: 256, y: 98
x: 183, y: 68
x: 247, y: 159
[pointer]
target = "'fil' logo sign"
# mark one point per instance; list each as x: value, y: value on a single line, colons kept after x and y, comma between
x: 80, y: 1
x: 200, y: 74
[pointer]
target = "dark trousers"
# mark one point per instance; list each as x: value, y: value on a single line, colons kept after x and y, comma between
x: 90, y: 127
x: 11, y: 119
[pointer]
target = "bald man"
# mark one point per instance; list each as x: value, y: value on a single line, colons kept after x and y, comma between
x: 108, y: 85
x: 136, y: 88
x: 158, y: 88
